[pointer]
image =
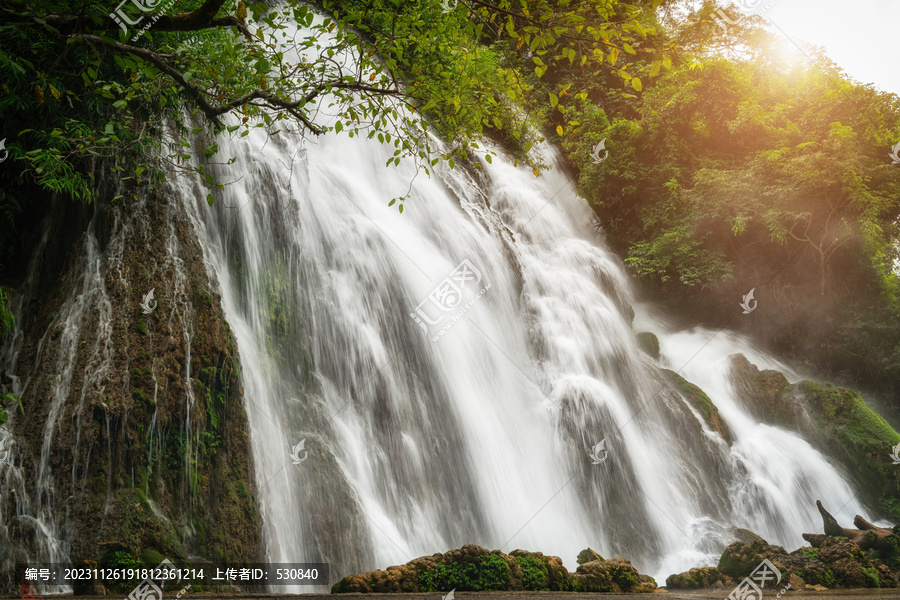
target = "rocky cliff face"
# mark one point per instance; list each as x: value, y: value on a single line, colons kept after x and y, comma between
x: 133, y: 430
x: 836, y: 421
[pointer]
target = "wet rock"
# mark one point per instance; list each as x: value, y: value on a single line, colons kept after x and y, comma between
x: 836, y: 421
x: 838, y: 563
x: 593, y: 577
x: 473, y: 568
x: 649, y: 343
x: 701, y: 402
x: 586, y: 556
x: 743, y: 535
x: 816, y: 588
x: 697, y: 578
x: 540, y: 572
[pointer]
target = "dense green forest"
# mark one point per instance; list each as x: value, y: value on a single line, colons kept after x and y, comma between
x: 729, y: 165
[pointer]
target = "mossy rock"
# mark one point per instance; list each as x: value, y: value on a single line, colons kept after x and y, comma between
x: 836, y: 421
x: 649, y: 343
x: 696, y: 579
x: 745, y: 535
x: 594, y: 577
x: 472, y: 568
x: 837, y: 562
x: 558, y: 577
x: 588, y: 555
x: 702, y: 403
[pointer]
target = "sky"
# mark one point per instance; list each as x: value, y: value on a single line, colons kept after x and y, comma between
x: 862, y: 37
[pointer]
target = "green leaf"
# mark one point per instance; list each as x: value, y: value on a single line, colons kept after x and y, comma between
x: 210, y: 200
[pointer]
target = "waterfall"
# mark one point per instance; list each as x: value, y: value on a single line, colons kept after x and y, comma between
x: 466, y: 372
x: 478, y: 431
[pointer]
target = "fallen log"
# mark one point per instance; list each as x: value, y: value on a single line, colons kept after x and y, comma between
x: 867, y: 536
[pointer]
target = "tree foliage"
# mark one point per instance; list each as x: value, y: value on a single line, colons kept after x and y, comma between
x: 91, y: 91
x: 738, y: 169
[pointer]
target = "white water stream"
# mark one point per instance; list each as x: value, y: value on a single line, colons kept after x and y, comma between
x: 481, y: 434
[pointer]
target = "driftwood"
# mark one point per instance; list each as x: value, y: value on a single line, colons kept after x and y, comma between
x: 866, y: 536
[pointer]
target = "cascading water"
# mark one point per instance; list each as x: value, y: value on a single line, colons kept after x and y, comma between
x: 413, y: 443
x: 70, y: 365
x: 384, y: 427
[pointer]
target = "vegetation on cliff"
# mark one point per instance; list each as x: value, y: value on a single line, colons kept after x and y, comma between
x: 735, y: 170
x: 837, y: 421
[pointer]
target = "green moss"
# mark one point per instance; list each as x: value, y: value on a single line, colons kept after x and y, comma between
x: 649, y: 343
x: 535, y: 575
x: 890, y: 553
x: 241, y: 489
x: 623, y: 576
x: 140, y: 397
x: 151, y: 557
x: 141, y: 327
x: 872, y: 579
x: 701, y: 402
x: 851, y: 411
x: 489, y: 572
x: 120, y: 559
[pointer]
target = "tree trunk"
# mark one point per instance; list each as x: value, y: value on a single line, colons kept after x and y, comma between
x: 867, y: 536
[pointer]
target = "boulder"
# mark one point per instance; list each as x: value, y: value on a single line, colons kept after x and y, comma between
x: 697, y: 578
x: 649, y: 343
x: 586, y: 556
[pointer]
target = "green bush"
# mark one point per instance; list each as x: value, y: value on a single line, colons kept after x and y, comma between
x: 120, y: 559
x: 488, y: 573
x: 535, y: 575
